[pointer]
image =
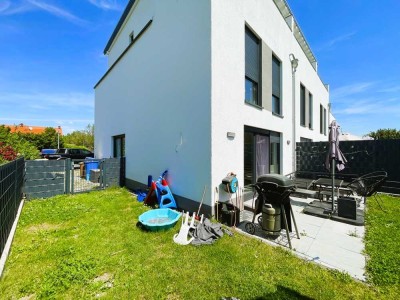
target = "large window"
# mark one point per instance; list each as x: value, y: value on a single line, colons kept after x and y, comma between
x: 310, y: 111
x: 119, y: 145
x: 252, y: 68
x: 302, y: 105
x: 276, y: 86
x: 325, y: 121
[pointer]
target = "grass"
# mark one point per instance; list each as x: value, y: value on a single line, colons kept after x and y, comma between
x: 87, y: 246
x: 382, y: 244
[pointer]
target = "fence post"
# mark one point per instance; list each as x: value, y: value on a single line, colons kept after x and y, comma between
x: 72, y: 176
x: 67, y: 175
x: 103, y: 173
x: 15, y: 187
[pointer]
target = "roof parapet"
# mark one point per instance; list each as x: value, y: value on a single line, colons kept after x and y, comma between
x: 288, y: 16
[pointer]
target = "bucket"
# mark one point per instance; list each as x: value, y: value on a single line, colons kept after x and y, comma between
x: 90, y: 164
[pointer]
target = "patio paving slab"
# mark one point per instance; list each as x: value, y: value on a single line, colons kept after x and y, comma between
x: 325, y: 241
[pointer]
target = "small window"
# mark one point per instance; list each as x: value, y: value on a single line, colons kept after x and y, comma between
x: 131, y: 37
x: 119, y: 145
x: 321, y: 119
x: 251, y: 91
x: 252, y: 67
x: 310, y: 111
x: 302, y: 105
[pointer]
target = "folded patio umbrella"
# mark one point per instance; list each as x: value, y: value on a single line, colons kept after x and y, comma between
x: 335, y: 157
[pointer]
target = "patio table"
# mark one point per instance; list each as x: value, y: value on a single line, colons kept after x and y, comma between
x: 324, y: 186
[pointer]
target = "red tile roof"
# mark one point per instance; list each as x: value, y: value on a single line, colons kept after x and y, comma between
x: 31, y: 129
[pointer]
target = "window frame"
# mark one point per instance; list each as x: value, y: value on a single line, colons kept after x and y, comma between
x: 115, y: 138
x: 302, y: 105
x: 256, y: 81
x: 310, y: 110
x: 275, y: 97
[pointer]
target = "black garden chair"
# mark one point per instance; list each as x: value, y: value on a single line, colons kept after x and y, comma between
x: 368, y: 185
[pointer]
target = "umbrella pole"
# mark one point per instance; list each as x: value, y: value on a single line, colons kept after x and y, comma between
x: 333, y: 183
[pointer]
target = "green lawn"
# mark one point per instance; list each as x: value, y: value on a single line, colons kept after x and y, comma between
x: 382, y: 244
x: 88, y: 246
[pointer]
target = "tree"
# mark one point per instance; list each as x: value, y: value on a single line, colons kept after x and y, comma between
x: 385, y: 134
x: 46, y: 140
x: 15, y: 142
x: 83, y: 138
x: 50, y: 139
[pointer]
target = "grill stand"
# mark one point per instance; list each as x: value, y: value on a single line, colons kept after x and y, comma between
x: 251, y: 229
x: 283, y: 212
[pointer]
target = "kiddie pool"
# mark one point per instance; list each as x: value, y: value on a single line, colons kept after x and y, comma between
x: 159, y: 219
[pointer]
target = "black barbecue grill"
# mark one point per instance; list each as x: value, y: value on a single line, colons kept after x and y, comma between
x: 275, y: 190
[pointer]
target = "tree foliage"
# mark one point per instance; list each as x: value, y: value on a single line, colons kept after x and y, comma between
x: 385, y: 134
x: 16, y: 143
x: 49, y: 139
x: 82, y: 138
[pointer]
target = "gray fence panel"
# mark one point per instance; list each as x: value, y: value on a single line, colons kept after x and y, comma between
x: 363, y: 157
x: 11, y: 180
x: 111, y: 172
x: 45, y: 178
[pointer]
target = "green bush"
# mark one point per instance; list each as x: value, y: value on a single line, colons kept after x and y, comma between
x: 18, y: 143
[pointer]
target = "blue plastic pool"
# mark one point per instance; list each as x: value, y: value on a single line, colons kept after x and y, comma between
x: 158, y: 219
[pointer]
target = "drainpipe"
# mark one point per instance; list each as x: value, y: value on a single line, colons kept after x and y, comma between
x: 294, y: 62
x: 329, y: 113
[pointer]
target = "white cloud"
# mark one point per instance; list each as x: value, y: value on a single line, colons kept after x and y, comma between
x: 332, y: 42
x: 350, y: 90
x: 15, y: 7
x: 4, y: 6
x: 56, y: 11
x: 392, y: 89
x: 72, y: 111
x: 18, y: 7
x: 106, y: 4
x: 48, y: 101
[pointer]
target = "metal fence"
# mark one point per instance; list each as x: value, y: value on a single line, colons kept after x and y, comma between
x: 363, y: 157
x: 47, y: 178
x: 11, y: 181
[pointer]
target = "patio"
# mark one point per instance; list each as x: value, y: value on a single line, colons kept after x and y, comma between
x: 327, y: 242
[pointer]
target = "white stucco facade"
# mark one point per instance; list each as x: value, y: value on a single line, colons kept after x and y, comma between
x: 179, y: 88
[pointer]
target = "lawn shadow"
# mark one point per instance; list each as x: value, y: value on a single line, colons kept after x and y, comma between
x: 283, y: 292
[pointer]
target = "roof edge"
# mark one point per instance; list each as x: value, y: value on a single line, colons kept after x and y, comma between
x: 119, y: 25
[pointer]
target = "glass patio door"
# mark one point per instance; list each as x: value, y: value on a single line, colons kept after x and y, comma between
x: 256, y: 156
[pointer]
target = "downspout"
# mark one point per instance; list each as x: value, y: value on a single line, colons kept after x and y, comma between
x: 294, y: 63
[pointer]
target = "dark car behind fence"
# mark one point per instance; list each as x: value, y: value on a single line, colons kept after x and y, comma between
x: 47, y: 178
x: 11, y: 181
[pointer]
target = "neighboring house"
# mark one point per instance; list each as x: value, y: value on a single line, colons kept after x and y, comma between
x: 203, y: 88
x: 345, y: 136
x: 31, y: 129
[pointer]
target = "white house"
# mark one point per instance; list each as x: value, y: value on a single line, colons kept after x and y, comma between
x: 203, y: 88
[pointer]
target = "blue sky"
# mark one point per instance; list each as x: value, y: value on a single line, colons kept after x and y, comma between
x: 52, y: 55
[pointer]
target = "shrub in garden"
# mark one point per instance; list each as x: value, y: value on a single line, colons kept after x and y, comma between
x: 7, y: 153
